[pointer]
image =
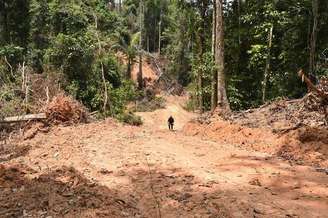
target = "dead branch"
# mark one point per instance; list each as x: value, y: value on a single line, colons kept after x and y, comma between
x: 311, y: 86
x: 11, y: 68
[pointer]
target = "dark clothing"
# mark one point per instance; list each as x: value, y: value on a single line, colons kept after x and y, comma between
x: 170, y: 122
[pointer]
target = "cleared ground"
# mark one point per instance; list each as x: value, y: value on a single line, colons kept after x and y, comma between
x: 106, y: 169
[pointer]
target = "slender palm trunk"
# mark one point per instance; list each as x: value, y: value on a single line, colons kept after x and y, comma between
x: 102, y: 67
x: 139, y: 77
x: 200, y: 83
x: 267, y: 65
x: 159, y: 36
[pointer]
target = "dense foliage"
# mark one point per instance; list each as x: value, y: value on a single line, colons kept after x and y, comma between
x: 72, y: 39
x: 79, y: 40
x: 247, y: 26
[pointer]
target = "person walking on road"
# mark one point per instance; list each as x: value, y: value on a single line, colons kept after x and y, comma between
x: 170, y: 122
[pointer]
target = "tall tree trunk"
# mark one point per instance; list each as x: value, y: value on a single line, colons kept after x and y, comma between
x: 239, y: 36
x: 5, y: 35
x: 200, y: 99
x: 148, y: 49
x: 159, y: 32
x: 267, y: 65
x: 219, y: 57
x: 159, y: 28
x: 112, y: 4
x: 202, y: 38
x: 154, y: 36
x: 214, y: 94
x: 139, y: 77
x: 239, y: 22
x: 128, y: 74
x: 200, y: 80
x: 120, y: 5
x: 313, y: 42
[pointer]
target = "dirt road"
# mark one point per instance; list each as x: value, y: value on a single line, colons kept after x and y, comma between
x: 107, y: 169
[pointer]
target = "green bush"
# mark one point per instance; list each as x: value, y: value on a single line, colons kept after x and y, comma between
x: 73, y: 55
x: 148, y: 105
x: 119, y: 97
x: 11, y: 104
x: 130, y: 118
x: 191, y: 105
x: 82, y: 67
x: 13, y: 55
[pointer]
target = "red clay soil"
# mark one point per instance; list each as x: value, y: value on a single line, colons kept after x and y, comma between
x: 228, y: 133
x: 305, y: 145
x: 106, y: 169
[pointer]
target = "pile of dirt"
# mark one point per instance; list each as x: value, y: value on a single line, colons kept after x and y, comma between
x: 226, y: 132
x: 60, y: 193
x: 304, y: 145
x: 64, y: 109
x: 293, y: 129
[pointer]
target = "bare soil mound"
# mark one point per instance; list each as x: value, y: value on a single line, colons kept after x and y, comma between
x: 229, y: 133
x: 305, y: 145
x: 59, y: 193
x: 64, y: 109
x: 294, y: 129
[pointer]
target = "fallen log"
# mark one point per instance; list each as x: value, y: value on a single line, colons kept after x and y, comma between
x: 22, y: 118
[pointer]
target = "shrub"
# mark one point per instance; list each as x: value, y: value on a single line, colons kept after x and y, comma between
x: 191, y: 105
x: 11, y: 103
x: 130, y: 119
x: 148, y: 105
x: 13, y: 55
x: 73, y: 55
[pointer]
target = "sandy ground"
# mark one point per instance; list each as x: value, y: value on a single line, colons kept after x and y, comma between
x: 147, y: 71
x: 107, y: 169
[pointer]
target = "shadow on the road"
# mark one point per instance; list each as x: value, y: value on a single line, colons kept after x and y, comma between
x: 60, y: 193
x: 67, y: 193
x: 279, y: 177
x: 151, y: 192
